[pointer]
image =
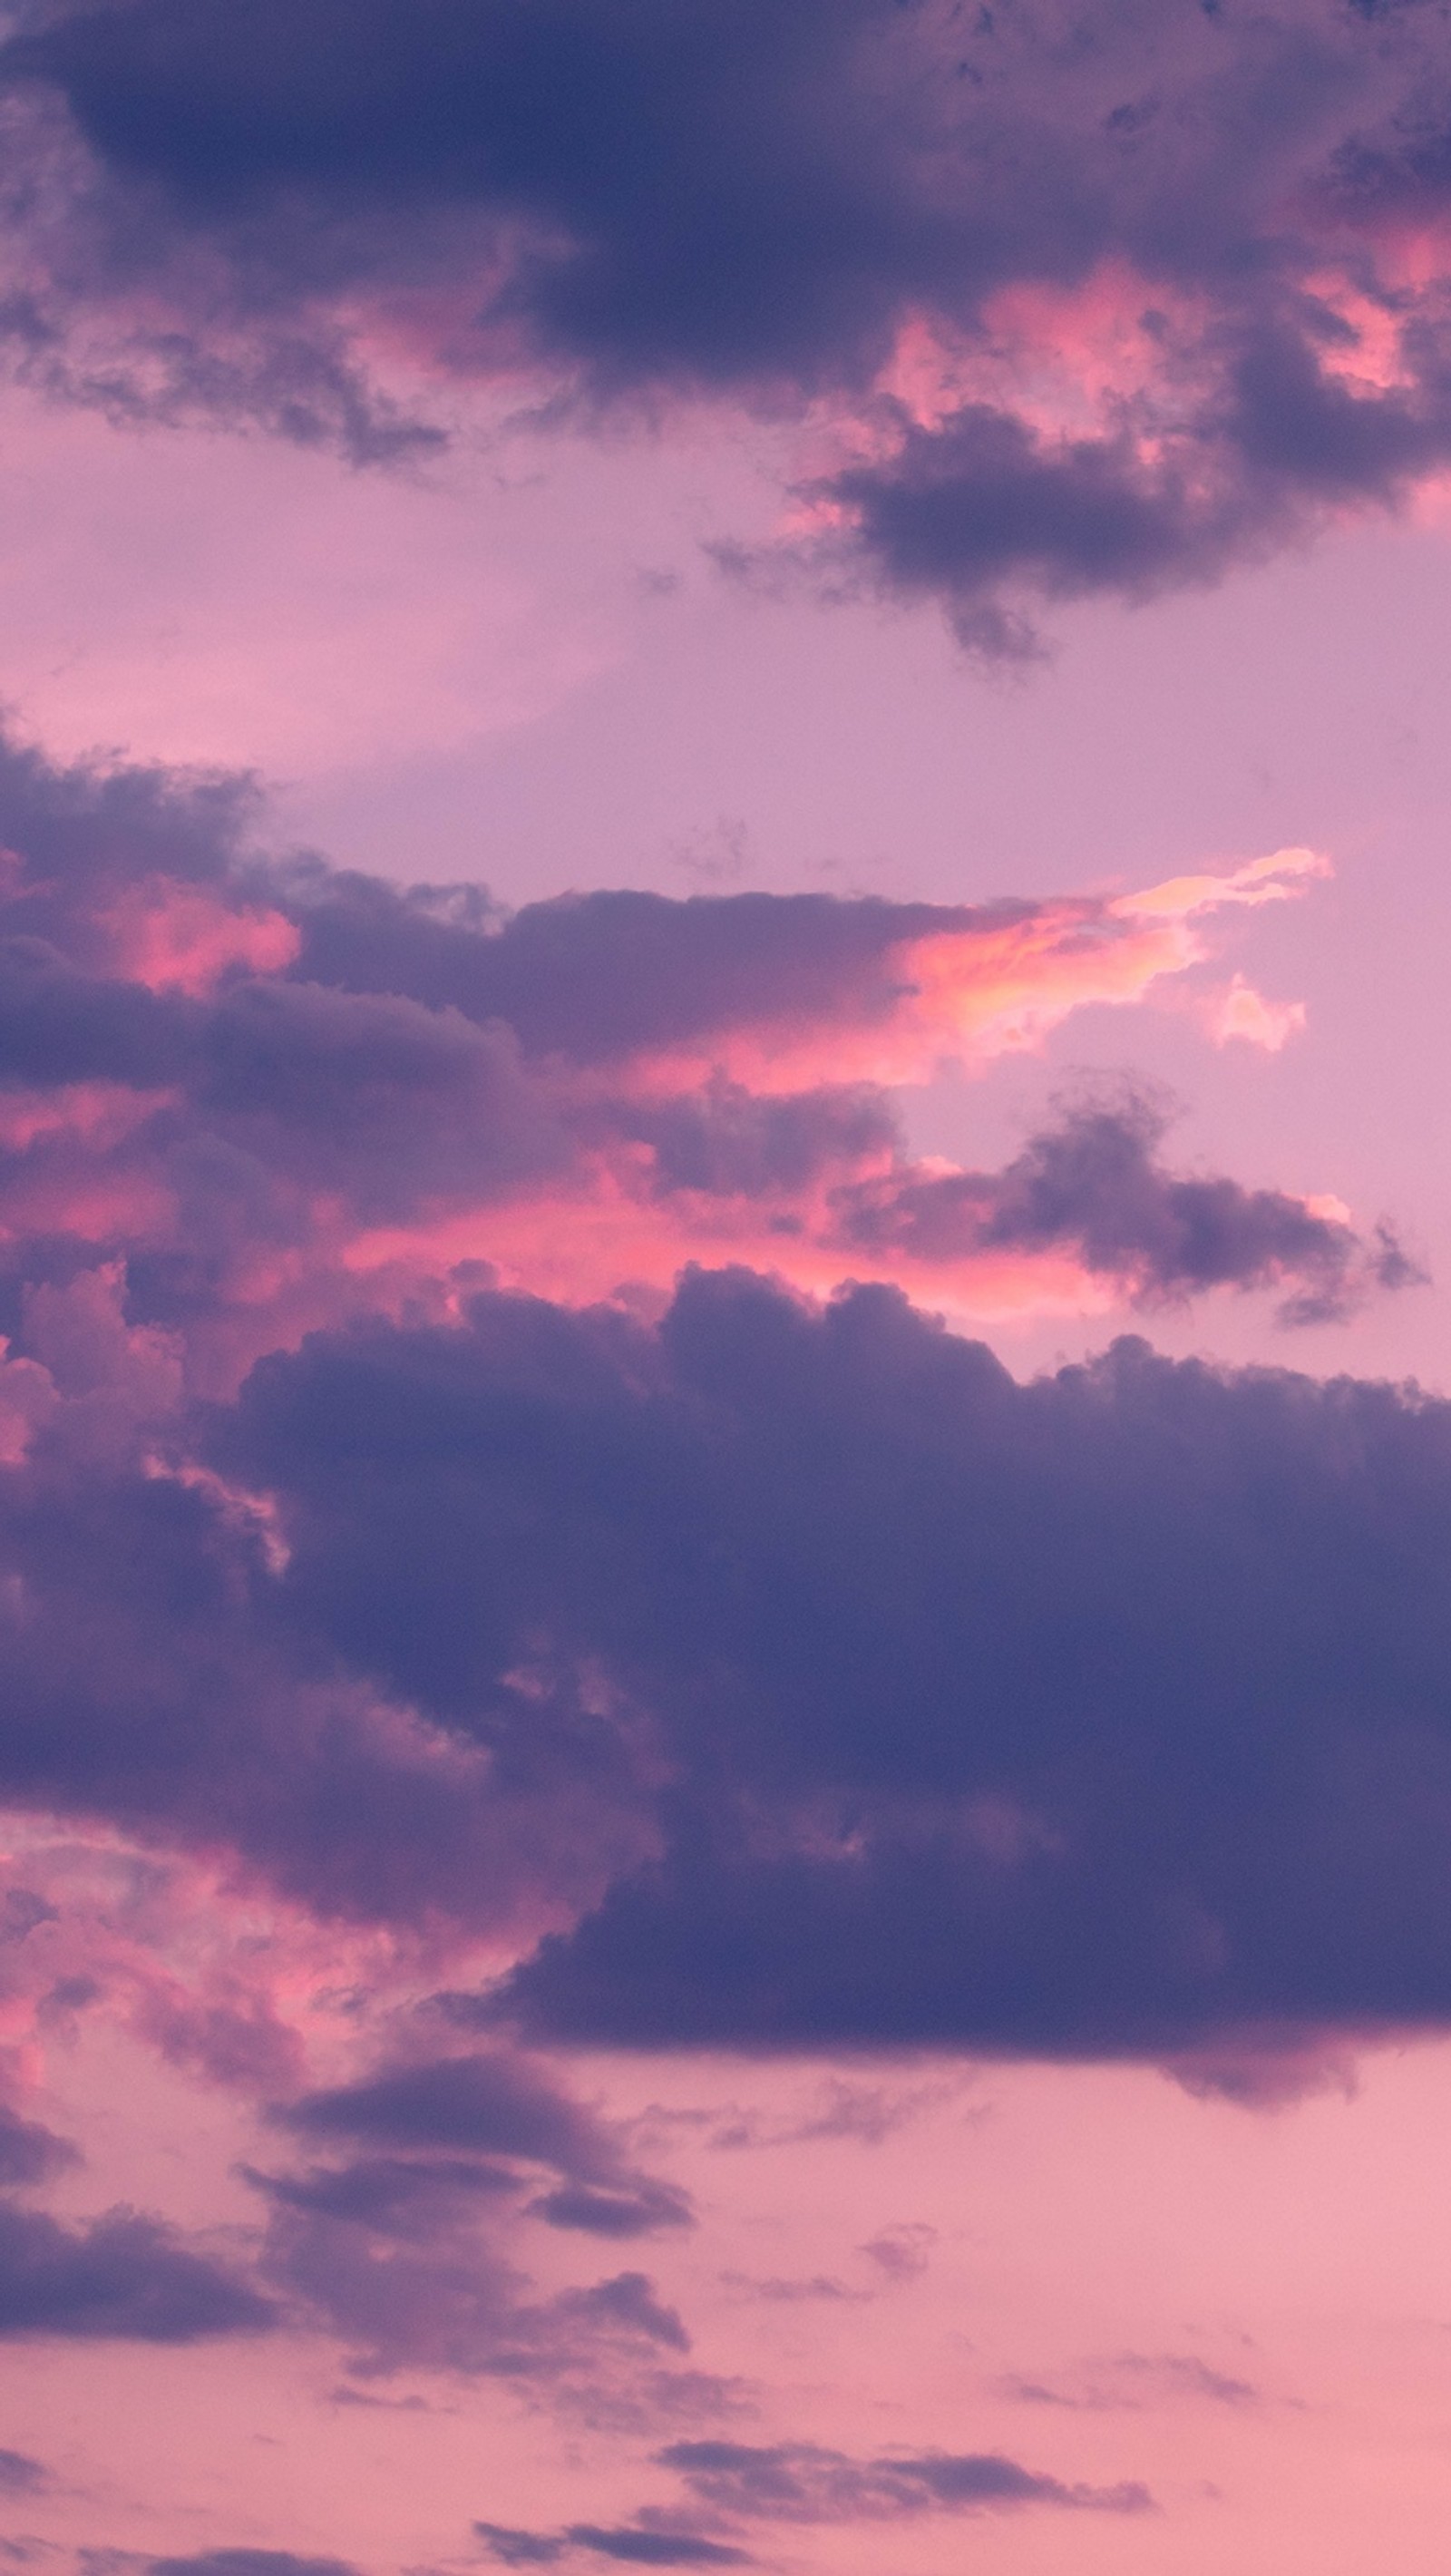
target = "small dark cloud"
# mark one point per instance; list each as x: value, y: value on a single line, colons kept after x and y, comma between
x: 420, y: 2285
x: 654, y: 2548
x: 637, y: 2212
x: 124, y: 2276
x: 520, y: 2548
x: 20, y: 2475
x: 30, y: 2153
x: 249, y: 2562
x: 803, y: 2482
x: 1092, y: 1185
x: 494, y: 2104
x: 901, y: 2251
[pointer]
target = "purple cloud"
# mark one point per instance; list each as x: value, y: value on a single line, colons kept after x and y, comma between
x: 780, y: 205
x: 124, y: 2275
x: 770, y: 1675
x: 939, y: 1658
x: 1092, y: 1183
x: 801, y: 2482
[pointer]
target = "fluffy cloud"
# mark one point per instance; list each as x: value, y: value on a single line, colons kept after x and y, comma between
x: 1074, y: 296
x: 1092, y: 1715
x: 775, y: 1672
x: 255, y: 1096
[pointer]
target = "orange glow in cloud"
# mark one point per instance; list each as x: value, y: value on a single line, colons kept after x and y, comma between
x: 966, y: 997
x: 1412, y: 250
x: 1069, y: 359
x: 1275, y: 879
x: 1240, y: 1012
x: 585, y: 1249
x: 1371, y: 359
x: 1071, y: 362
x: 960, y: 996
x: 99, y: 1114
x: 100, y: 1206
x: 174, y: 939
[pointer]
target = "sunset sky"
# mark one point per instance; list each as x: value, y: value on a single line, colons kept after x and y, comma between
x: 725, y: 1416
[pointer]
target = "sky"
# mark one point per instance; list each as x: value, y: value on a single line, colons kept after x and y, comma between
x: 725, y: 1428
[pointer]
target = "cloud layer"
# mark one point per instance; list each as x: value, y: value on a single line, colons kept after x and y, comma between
x: 1063, y: 297
x: 263, y: 1094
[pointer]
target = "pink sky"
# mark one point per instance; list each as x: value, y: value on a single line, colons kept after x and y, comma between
x: 1194, y: 2289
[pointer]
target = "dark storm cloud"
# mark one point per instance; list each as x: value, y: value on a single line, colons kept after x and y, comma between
x: 515, y: 2548
x: 1097, y: 1715
x: 396, y: 2251
x: 122, y: 2276
x: 409, y: 2281
x: 986, y: 504
x: 628, y: 2305
x: 753, y: 198
x: 409, y: 2198
x: 388, y: 2193
x: 372, y: 1094
x: 635, y: 2212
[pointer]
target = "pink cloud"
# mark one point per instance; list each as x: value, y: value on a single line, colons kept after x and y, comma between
x: 176, y: 939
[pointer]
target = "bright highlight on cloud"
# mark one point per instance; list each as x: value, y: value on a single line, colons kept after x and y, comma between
x: 259, y: 1096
